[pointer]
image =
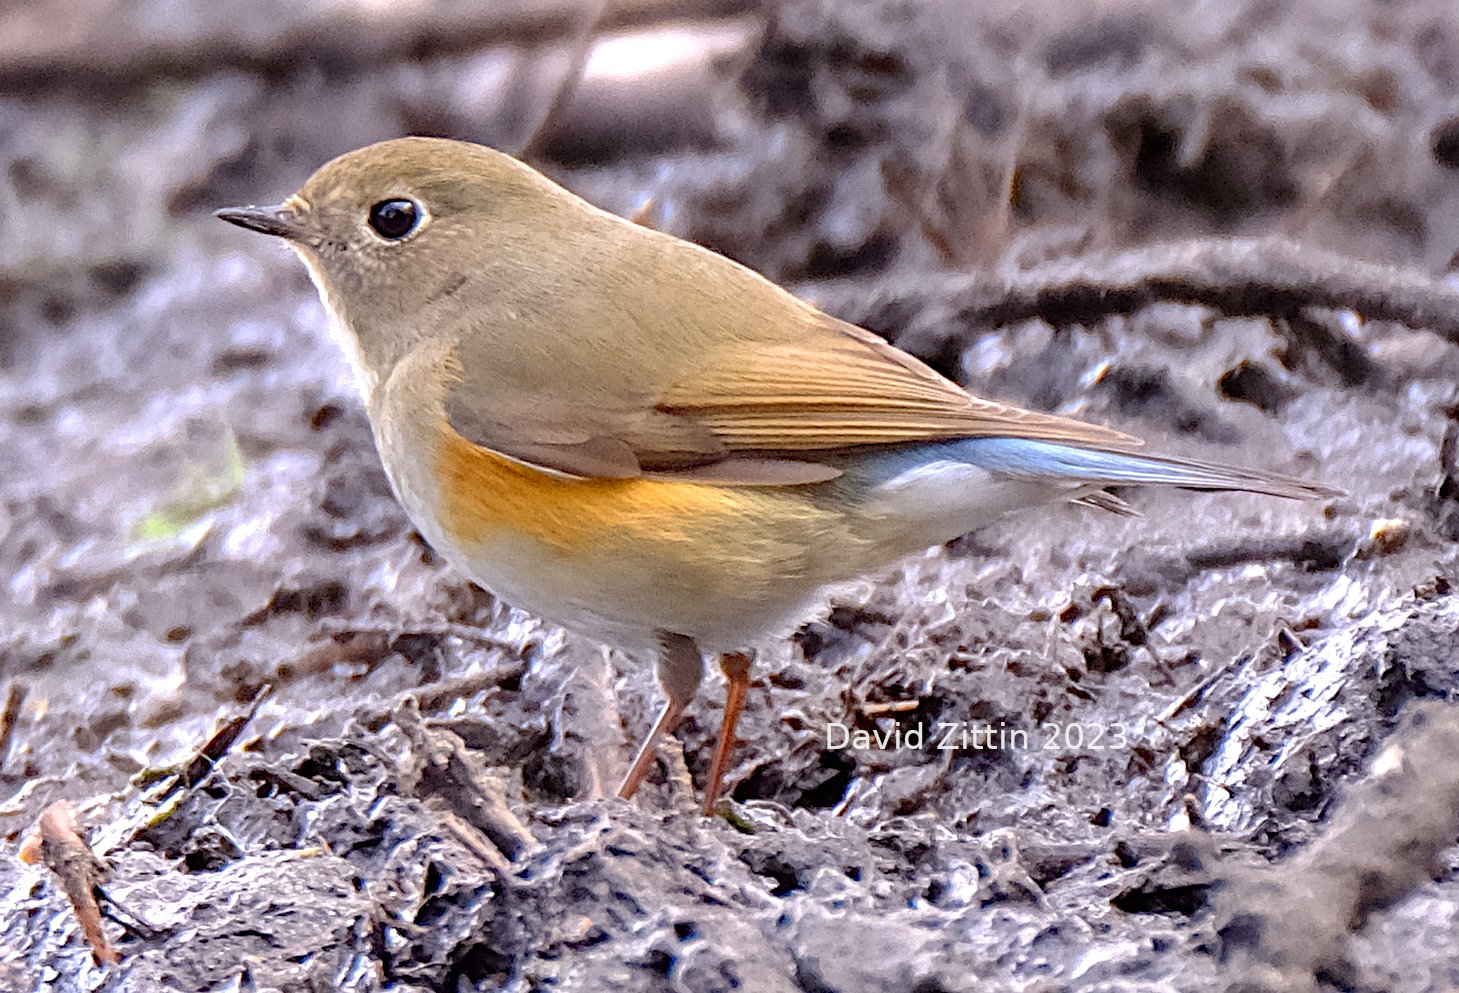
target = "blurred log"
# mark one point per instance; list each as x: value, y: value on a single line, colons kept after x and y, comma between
x: 43, y: 42
x: 1290, y: 926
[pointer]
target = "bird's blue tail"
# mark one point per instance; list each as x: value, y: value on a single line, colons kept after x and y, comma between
x: 1020, y: 458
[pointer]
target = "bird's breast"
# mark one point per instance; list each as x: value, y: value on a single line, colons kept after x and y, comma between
x: 484, y: 495
x: 691, y: 557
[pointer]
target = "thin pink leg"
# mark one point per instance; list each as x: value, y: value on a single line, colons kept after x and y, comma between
x: 679, y: 669
x: 736, y: 669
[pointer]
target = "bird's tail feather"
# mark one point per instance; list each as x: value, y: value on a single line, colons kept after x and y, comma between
x: 1022, y: 458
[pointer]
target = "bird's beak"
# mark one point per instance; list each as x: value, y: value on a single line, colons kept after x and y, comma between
x: 281, y: 221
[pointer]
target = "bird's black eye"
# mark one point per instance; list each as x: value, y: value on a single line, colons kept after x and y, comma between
x: 394, y: 219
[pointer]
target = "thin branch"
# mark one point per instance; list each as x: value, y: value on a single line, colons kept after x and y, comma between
x: 1264, y: 277
x: 581, y: 48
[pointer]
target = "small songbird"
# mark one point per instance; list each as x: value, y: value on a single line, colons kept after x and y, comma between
x: 644, y: 441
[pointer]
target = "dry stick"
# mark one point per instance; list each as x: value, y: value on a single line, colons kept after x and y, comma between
x: 14, y: 698
x: 220, y: 742
x: 1271, y: 277
x: 897, y: 179
x: 57, y: 842
x: 374, y: 643
x: 470, y: 633
x: 175, y: 786
x: 477, y: 843
x: 581, y: 48
x: 959, y: 240
x: 459, y: 777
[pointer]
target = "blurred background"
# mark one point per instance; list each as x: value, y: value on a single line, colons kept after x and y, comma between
x: 804, y: 134
x: 191, y: 509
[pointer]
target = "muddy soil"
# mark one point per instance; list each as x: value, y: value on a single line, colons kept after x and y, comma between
x: 1238, y: 712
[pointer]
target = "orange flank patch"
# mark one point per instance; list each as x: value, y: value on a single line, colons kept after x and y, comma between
x: 485, y: 495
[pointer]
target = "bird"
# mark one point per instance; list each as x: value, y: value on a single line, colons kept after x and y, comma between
x: 643, y: 441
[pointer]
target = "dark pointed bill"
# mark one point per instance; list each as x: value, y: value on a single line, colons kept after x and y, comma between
x: 278, y: 221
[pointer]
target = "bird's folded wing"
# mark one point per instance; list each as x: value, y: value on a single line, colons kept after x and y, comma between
x: 839, y: 386
x: 758, y: 413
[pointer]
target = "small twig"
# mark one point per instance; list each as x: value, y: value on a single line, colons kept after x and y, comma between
x: 218, y: 745
x: 1191, y: 696
x: 9, y: 714
x: 676, y: 773
x: 442, y: 694
x: 969, y: 223
x: 459, y: 778
x: 56, y: 842
x: 442, y: 629
x: 173, y: 786
x: 875, y: 710
x: 478, y: 844
x: 373, y: 644
x: 581, y: 48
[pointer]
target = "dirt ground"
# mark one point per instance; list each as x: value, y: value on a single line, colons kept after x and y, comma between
x: 1221, y: 226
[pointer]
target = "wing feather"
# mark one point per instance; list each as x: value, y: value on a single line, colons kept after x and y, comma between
x: 759, y: 413
x: 840, y: 386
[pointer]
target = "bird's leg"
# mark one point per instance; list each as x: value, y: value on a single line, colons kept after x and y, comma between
x: 680, y: 668
x: 736, y: 669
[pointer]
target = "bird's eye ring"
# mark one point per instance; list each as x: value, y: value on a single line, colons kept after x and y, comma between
x: 395, y: 218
